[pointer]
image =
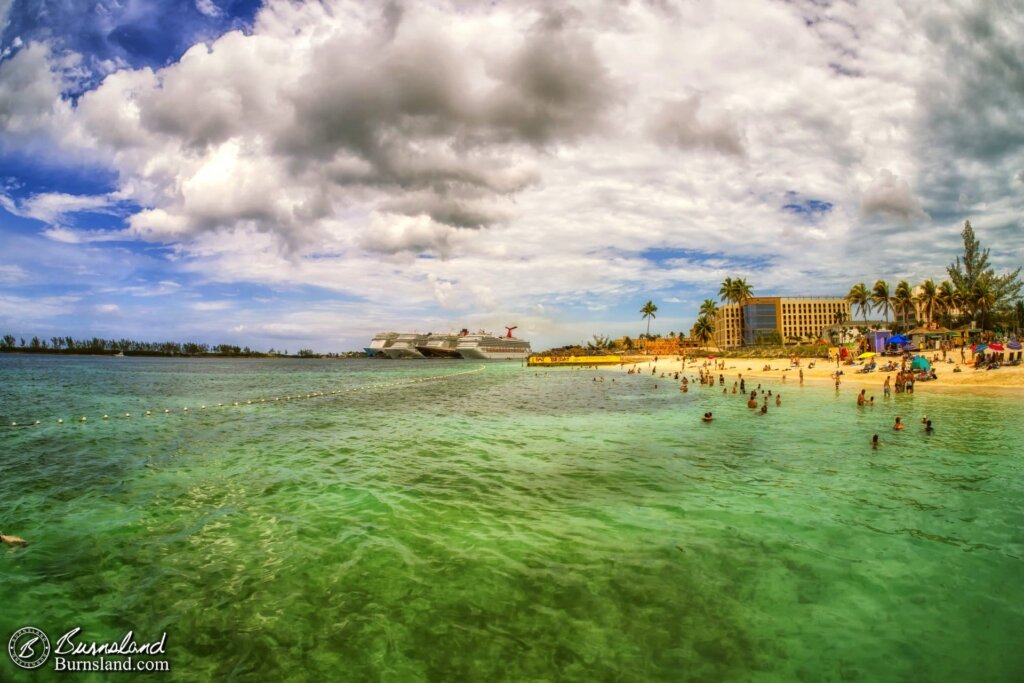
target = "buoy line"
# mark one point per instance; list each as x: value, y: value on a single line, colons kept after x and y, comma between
x: 107, y: 417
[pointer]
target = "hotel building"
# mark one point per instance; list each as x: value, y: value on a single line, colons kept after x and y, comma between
x: 777, y: 319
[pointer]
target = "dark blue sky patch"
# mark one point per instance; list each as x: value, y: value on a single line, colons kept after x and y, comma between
x: 808, y: 208
x: 139, y: 34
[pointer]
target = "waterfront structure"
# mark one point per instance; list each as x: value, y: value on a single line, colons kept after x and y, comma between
x: 777, y: 319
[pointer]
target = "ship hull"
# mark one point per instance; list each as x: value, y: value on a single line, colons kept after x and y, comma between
x: 400, y: 353
x: 434, y: 352
x: 478, y: 353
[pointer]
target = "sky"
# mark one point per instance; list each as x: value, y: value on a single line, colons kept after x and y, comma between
x: 305, y: 174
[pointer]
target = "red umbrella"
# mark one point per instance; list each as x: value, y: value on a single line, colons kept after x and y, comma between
x: 996, y: 347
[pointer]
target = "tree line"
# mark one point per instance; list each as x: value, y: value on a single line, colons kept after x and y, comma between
x: 98, y: 346
x: 974, y: 294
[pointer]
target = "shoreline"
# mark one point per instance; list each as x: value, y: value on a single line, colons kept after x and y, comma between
x: 1006, y: 380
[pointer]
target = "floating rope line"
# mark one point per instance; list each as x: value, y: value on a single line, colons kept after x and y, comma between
x: 83, y: 419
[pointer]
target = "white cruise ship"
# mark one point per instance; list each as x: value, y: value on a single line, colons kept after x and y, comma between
x: 441, y: 345
x: 404, y: 345
x: 379, y: 343
x: 483, y: 345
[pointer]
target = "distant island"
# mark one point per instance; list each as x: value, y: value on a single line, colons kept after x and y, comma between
x: 130, y: 347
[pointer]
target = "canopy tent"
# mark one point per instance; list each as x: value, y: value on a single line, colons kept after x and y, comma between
x: 897, y: 339
x: 920, y: 363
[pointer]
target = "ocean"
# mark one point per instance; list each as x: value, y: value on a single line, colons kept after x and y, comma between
x: 458, y: 520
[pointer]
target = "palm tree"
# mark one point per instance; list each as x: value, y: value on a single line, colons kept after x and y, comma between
x: 736, y: 292
x: 983, y: 299
x: 709, y: 308
x: 903, y: 300
x: 704, y: 329
x: 928, y: 299
x: 861, y: 298
x: 1018, y: 316
x: 880, y: 297
x: 947, y: 297
x: 649, y: 311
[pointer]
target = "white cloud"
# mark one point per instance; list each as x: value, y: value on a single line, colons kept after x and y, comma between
x: 10, y: 274
x: 208, y: 8
x: 107, y: 308
x: 889, y: 194
x: 211, y: 305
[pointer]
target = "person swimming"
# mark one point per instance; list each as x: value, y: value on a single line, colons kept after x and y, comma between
x: 764, y: 409
x: 898, y: 425
x: 707, y: 417
x: 874, y: 441
x: 928, y: 429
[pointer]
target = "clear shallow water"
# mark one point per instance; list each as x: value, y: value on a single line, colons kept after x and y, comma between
x: 508, y: 524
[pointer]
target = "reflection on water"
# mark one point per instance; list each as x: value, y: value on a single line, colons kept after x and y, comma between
x: 509, y: 524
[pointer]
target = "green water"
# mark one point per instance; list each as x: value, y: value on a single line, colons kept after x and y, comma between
x: 507, y: 524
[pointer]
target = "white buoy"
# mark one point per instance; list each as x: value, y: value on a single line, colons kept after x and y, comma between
x: 202, y: 407
x: 36, y: 422
x: 106, y: 417
x: 186, y: 409
x: 236, y: 403
x: 60, y: 422
x: 82, y: 419
x: 127, y: 414
x: 149, y: 412
x: 166, y: 411
x: 220, y: 405
x: 14, y: 424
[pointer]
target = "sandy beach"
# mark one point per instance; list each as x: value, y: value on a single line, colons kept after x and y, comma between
x: 968, y: 380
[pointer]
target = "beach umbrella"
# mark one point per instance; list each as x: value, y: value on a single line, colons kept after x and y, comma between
x: 1013, y: 345
x: 897, y: 339
x: 995, y: 347
x: 980, y: 348
x: 866, y: 354
x: 920, y: 363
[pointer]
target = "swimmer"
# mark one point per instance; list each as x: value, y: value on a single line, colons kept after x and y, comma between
x: 861, y: 398
x: 707, y: 417
x: 928, y: 429
x: 898, y: 425
x: 12, y: 540
x: 778, y: 400
x: 874, y: 441
x: 764, y: 410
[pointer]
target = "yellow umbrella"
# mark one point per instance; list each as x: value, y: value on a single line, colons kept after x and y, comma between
x: 866, y: 354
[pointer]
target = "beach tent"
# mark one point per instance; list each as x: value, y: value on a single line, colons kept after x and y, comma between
x: 920, y: 363
x: 897, y: 339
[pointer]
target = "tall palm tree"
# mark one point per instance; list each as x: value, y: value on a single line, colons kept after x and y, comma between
x: 928, y: 299
x: 709, y: 308
x: 649, y: 311
x: 861, y: 298
x: 736, y: 292
x: 880, y: 297
x: 947, y: 297
x: 1018, y: 316
x: 983, y: 299
x: 903, y: 300
x: 704, y: 329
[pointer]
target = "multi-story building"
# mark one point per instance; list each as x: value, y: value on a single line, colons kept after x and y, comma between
x: 777, y: 319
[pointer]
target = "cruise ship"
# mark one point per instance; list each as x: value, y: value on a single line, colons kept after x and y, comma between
x: 483, y: 345
x: 441, y: 345
x: 479, y: 346
x: 404, y: 345
x: 379, y: 343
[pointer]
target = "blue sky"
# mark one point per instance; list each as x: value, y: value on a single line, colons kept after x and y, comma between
x: 290, y: 175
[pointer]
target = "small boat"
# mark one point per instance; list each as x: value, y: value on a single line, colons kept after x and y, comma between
x: 119, y: 354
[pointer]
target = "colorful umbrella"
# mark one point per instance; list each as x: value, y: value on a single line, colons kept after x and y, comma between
x: 920, y: 363
x: 980, y: 348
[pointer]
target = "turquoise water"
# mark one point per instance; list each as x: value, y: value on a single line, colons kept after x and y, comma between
x: 498, y: 523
